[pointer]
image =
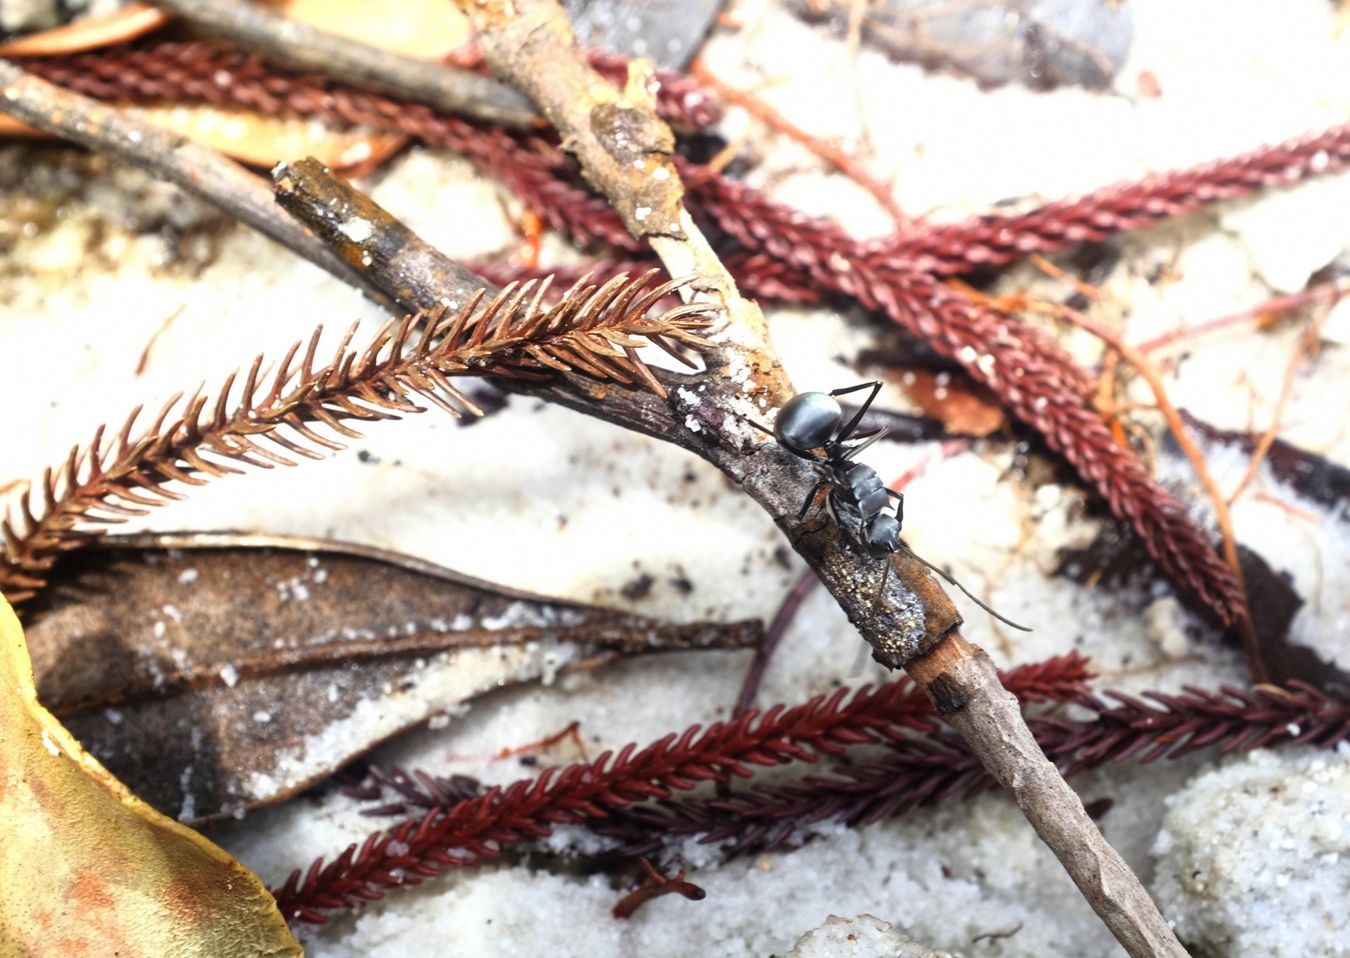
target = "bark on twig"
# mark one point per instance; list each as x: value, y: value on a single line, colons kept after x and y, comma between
x: 965, y: 687
x: 372, y: 243
x: 197, y: 169
x: 625, y: 152
x: 290, y: 43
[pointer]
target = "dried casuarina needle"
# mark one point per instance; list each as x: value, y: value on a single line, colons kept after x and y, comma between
x: 469, y: 831
x: 831, y: 154
x: 592, y: 329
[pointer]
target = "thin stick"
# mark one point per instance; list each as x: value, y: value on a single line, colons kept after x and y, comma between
x: 1329, y: 293
x: 773, y: 635
x: 833, y: 155
x: 1305, y: 344
x: 1222, y: 516
x: 197, y: 169
x: 965, y: 687
x: 300, y: 46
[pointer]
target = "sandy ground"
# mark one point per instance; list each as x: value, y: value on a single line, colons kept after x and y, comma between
x: 543, y: 499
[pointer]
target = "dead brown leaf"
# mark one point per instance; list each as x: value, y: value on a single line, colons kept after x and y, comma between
x: 217, y: 673
x: 965, y: 408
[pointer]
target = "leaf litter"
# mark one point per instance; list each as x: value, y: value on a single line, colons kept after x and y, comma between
x: 217, y: 673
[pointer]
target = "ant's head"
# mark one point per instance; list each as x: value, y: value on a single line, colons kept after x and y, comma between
x: 807, y: 421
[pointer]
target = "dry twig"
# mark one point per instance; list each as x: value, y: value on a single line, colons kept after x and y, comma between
x: 300, y: 46
x: 197, y: 169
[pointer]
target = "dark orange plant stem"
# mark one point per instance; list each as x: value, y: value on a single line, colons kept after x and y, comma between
x: 842, y: 161
x: 655, y: 886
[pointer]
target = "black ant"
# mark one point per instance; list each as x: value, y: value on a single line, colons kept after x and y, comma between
x: 809, y: 425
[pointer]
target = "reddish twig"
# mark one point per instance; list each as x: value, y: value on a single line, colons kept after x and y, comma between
x: 833, y: 155
x: 655, y: 886
x: 773, y: 635
x: 1327, y: 293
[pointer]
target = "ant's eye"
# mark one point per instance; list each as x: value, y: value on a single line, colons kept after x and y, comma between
x: 807, y: 421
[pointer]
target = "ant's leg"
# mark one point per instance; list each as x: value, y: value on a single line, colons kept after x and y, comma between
x: 810, y: 499
x: 862, y: 410
x: 867, y: 441
x: 806, y: 507
x: 767, y: 430
x: 881, y: 589
x: 969, y: 595
x: 899, y: 498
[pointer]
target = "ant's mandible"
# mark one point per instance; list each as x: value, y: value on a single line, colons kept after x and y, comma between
x: 811, y: 426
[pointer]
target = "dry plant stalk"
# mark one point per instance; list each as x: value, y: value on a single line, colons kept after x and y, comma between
x: 301, y: 46
x: 197, y: 169
x: 594, y: 329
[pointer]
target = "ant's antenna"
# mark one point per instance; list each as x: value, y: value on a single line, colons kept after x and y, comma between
x: 969, y: 594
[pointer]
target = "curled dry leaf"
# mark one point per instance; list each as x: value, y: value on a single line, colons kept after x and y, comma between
x: 265, y: 141
x: 215, y: 673
x: 87, y: 868
x: 89, y: 33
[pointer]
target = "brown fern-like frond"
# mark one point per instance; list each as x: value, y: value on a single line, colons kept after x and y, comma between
x: 274, y: 419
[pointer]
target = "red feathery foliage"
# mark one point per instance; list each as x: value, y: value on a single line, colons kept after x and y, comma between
x: 917, y: 770
x: 994, y: 240
x: 1029, y: 373
x: 471, y: 830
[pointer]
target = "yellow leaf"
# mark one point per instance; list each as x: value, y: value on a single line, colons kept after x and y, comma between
x: 88, y: 869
